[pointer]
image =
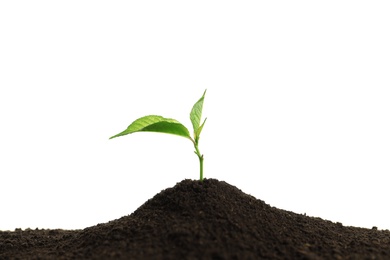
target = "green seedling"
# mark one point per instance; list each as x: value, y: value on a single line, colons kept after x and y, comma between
x: 153, y: 123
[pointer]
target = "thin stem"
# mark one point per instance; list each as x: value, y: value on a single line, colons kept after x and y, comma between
x: 201, y: 167
x: 200, y: 156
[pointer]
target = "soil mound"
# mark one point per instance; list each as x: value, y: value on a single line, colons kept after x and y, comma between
x: 202, y: 220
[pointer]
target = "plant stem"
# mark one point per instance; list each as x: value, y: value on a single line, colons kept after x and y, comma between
x: 201, y: 167
x: 200, y: 156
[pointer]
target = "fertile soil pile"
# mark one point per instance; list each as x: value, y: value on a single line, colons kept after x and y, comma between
x: 202, y: 220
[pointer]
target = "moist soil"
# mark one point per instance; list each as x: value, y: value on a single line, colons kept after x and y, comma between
x: 202, y: 220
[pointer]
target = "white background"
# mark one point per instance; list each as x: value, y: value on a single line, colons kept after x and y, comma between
x: 297, y: 105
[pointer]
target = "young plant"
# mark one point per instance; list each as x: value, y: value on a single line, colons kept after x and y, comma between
x: 153, y: 123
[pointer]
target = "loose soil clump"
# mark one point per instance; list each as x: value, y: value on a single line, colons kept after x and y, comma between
x: 202, y: 220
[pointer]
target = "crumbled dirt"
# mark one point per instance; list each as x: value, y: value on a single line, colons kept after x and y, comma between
x: 202, y: 220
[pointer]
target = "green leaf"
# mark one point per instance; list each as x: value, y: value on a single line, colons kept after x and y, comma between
x: 158, y: 124
x: 199, y: 130
x: 196, y: 113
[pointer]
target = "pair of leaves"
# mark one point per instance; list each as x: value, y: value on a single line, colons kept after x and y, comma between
x: 153, y: 123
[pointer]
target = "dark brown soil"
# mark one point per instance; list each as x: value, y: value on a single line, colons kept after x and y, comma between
x: 202, y: 220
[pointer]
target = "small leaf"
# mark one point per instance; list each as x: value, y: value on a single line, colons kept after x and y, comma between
x: 199, y: 130
x: 158, y: 124
x: 196, y: 113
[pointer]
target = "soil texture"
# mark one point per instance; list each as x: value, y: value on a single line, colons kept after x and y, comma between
x: 202, y: 220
